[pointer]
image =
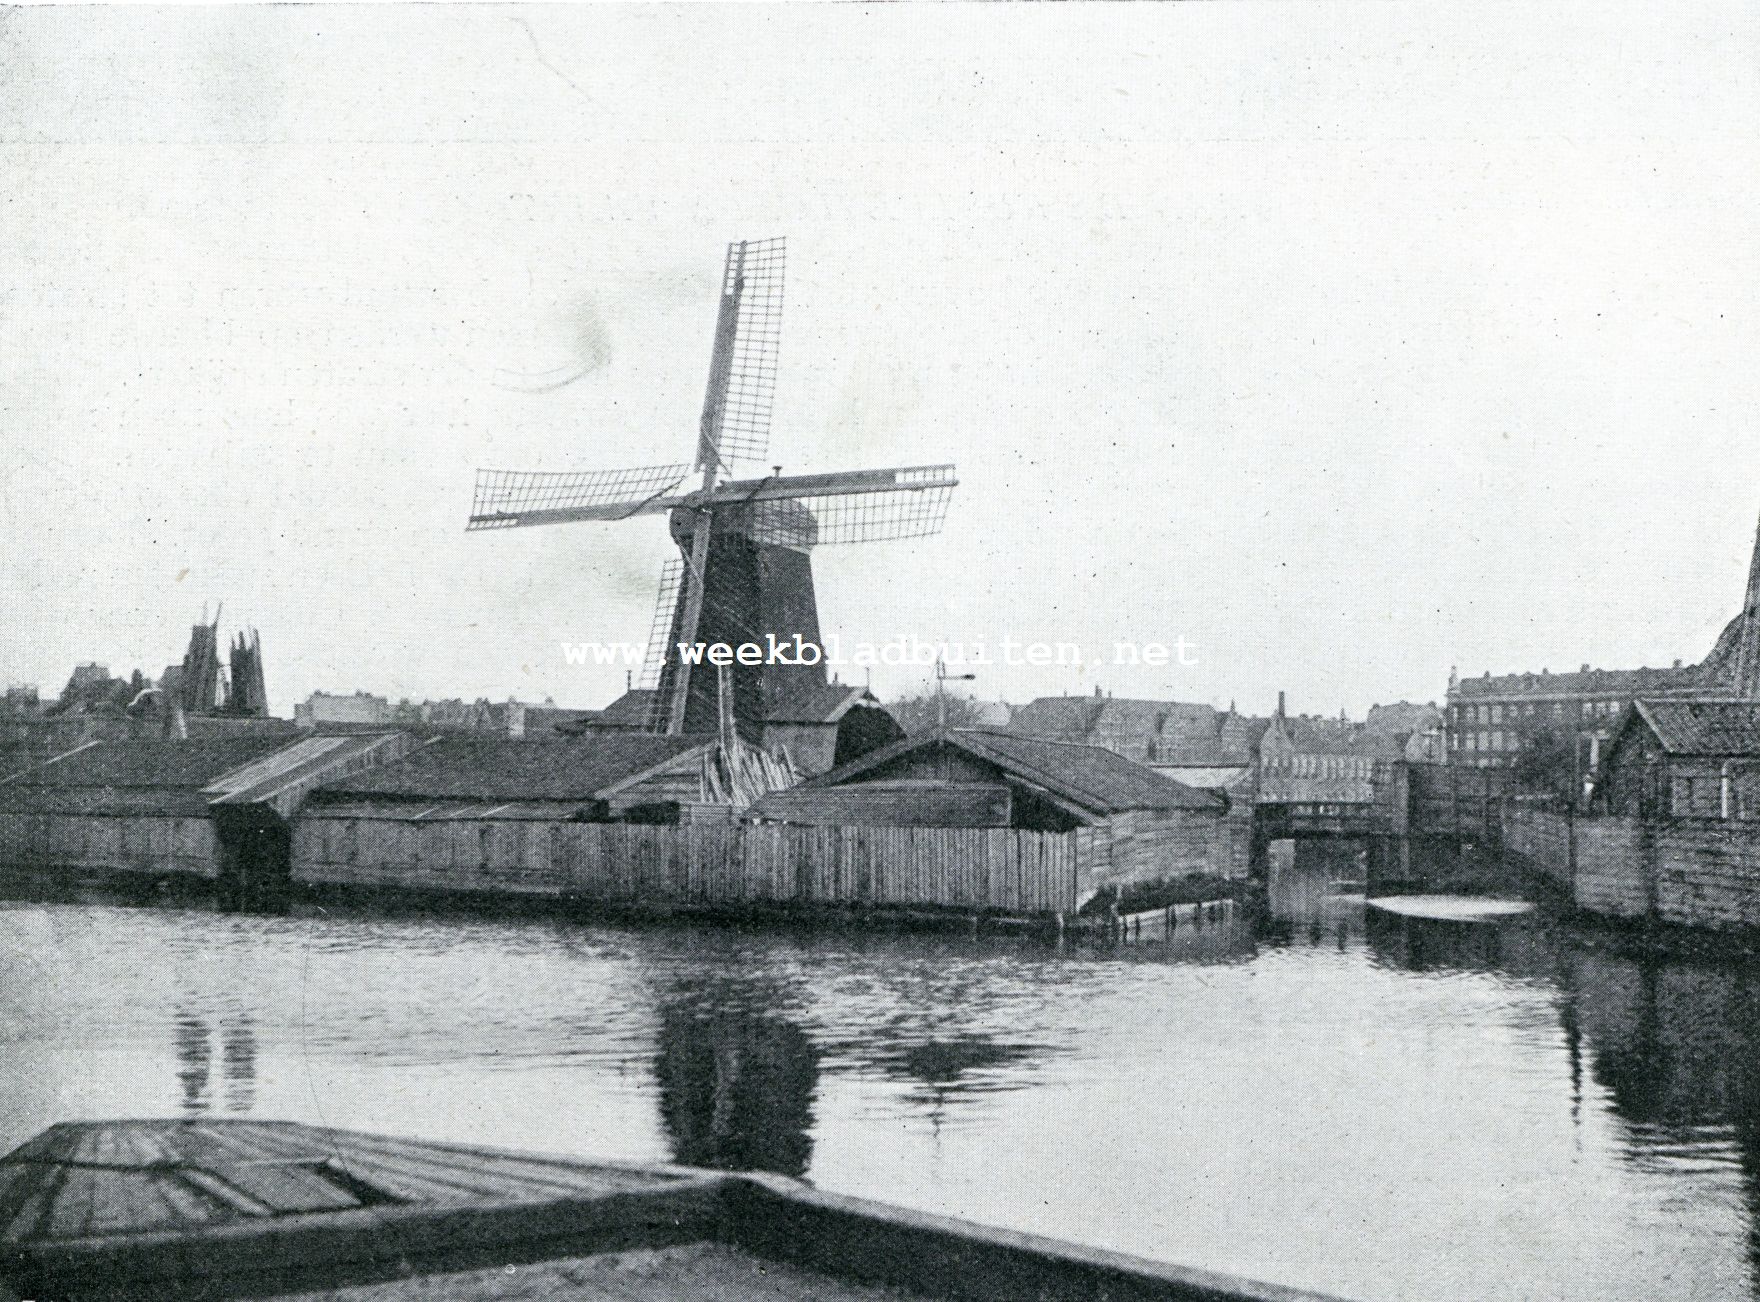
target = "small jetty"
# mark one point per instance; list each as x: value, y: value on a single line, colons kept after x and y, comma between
x: 234, y: 1208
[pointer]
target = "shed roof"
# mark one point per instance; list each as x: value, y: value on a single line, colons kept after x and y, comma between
x: 502, y: 769
x: 1722, y: 728
x: 151, y: 802
x: 156, y: 762
x: 1089, y: 777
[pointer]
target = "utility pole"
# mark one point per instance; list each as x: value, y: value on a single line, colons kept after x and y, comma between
x: 941, y: 678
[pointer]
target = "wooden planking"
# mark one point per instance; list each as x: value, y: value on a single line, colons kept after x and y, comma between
x: 76, y: 1180
x: 154, y: 844
x: 980, y: 869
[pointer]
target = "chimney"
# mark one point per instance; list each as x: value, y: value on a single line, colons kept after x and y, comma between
x: 1280, y: 705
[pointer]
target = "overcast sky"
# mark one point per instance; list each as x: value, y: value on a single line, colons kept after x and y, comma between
x: 1348, y: 341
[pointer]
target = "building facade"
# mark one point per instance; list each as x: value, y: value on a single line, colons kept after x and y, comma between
x: 1492, y: 720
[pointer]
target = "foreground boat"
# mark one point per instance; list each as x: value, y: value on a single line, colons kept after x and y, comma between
x: 221, y: 1209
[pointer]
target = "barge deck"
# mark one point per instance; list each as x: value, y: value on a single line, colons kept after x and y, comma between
x: 207, y: 1209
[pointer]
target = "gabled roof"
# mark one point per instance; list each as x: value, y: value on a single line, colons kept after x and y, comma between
x: 1403, y: 717
x: 633, y: 709
x: 1066, y: 717
x: 1718, y: 728
x: 1315, y: 736
x: 1089, y: 777
x: 502, y: 769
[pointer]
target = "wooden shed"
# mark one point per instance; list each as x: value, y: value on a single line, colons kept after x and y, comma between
x: 1130, y: 823
x: 212, y: 808
x: 478, y: 804
x: 1683, y: 759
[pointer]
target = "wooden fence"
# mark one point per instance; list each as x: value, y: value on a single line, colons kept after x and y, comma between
x: 976, y: 869
x: 125, y: 844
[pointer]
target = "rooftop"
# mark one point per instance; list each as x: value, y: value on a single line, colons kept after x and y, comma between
x: 1090, y: 777
x: 477, y: 767
x: 157, y: 762
x: 1586, y: 682
x: 1720, y: 728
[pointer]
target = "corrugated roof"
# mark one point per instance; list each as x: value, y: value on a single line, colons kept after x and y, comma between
x: 498, y: 768
x: 1722, y: 728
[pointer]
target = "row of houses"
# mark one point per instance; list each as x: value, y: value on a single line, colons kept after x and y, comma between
x: 508, y: 718
x: 1294, y: 762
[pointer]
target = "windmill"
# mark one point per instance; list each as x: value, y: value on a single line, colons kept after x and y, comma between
x: 745, y: 570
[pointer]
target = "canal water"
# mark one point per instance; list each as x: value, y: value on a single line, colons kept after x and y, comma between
x: 1376, y: 1106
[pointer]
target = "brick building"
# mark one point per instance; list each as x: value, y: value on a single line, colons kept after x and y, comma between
x: 1491, y: 720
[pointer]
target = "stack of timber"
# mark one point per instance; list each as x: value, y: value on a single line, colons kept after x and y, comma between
x: 222, y: 1209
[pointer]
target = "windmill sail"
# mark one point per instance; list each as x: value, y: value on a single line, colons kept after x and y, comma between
x: 876, y: 515
x: 742, y: 368
x: 510, y: 499
x: 665, y: 609
x: 744, y: 572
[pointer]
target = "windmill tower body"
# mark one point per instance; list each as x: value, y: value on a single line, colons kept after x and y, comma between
x: 1744, y: 667
x: 754, y: 592
x: 745, y: 571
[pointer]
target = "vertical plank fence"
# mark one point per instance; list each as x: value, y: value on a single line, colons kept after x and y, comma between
x: 975, y: 869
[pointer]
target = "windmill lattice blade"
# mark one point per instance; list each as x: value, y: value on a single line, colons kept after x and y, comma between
x: 503, y: 497
x: 665, y: 606
x: 753, y: 275
x: 887, y: 515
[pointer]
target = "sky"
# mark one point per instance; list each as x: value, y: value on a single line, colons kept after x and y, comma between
x: 1347, y: 341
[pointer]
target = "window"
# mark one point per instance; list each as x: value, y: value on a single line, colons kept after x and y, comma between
x: 1497, y: 714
